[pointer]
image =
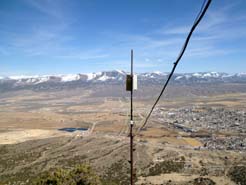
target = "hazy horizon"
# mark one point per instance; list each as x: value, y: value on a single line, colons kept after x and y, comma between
x: 126, y: 71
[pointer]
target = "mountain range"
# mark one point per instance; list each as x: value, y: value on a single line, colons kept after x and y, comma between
x: 114, y: 77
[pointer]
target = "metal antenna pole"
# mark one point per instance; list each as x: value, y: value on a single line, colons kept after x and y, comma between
x: 131, y: 122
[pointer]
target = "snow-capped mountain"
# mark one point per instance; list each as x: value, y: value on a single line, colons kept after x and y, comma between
x: 115, y: 77
x: 100, y: 76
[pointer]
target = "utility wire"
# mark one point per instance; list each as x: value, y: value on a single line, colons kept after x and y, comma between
x: 197, y: 20
x: 199, y: 14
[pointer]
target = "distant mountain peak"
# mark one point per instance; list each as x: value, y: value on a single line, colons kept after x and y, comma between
x: 118, y: 76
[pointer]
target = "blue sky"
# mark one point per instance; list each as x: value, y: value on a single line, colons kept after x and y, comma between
x: 80, y: 36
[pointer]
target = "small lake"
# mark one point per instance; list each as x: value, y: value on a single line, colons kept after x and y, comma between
x: 71, y: 129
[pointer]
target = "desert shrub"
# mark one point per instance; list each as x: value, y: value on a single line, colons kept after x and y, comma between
x: 203, y: 181
x: 80, y: 175
x: 166, y: 167
x: 238, y: 174
x: 203, y: 171
x: 117, y: 174
x: 182, y: 158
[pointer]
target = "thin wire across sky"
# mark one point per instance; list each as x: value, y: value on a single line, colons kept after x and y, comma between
x: 197, y: 21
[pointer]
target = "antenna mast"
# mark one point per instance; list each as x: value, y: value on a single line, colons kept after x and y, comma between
x: 131, y: 122
x: 131, y: 84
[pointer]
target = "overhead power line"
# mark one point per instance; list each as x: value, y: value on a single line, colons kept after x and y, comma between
x: 202, y: 7
x: 197, y: 20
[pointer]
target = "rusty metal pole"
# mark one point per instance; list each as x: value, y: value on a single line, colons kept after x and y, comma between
x: 131, y: 123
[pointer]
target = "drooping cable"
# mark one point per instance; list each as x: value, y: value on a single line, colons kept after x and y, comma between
x: 199, y: 14
x: 197, y: 20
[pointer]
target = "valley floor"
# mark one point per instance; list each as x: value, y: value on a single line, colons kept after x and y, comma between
x: 185, y: 140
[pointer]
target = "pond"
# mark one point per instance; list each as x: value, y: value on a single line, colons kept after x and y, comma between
x: 72, y: 129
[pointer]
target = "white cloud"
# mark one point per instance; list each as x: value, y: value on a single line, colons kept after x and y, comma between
x: 159, y: 45
x: 85, y: 55
x: 48, y: 7
x: 147, y: 59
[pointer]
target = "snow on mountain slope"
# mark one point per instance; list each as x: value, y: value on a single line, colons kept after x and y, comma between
x: 197, y: 75
x: 116, y: 76
x: 120, y: 71
x: 158, y: 72
x: 91, y: 76
x: 69, y: 78
x: 43, y: 79
x: 179, y: 77
x: 103, y: 78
